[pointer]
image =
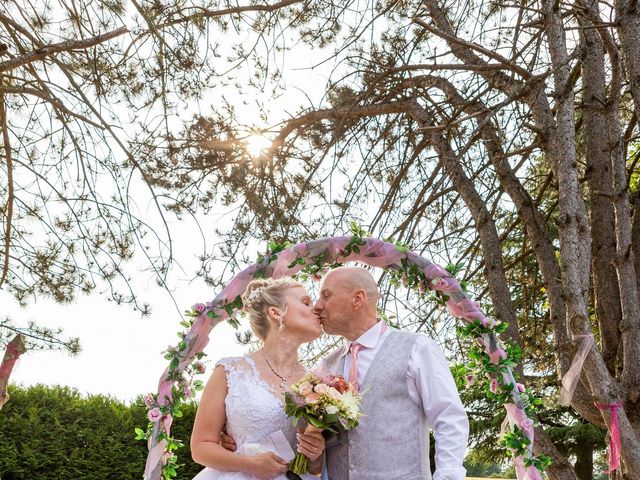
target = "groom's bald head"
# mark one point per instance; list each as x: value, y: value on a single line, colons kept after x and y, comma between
x: 351, y: 279
x: 347, y: 303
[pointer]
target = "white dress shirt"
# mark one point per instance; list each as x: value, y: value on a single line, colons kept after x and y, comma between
x: 430, y: 386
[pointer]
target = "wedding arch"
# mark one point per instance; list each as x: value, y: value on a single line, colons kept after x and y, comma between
x: 491, y: 362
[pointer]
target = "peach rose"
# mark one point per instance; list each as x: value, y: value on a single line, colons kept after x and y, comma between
x: 305, y: 388
x: 321, y: 388
x: 312, y: 398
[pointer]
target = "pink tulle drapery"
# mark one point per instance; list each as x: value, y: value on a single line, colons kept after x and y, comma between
x: 369, y: 251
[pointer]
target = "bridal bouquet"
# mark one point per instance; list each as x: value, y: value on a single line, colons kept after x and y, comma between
x: 326, y: 402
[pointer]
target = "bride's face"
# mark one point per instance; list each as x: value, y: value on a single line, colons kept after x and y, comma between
x: 300, y: 321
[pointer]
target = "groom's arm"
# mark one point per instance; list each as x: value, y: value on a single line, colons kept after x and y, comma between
x: 431, y: 383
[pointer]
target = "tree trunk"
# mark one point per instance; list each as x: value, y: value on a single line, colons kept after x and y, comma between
x: 628, y: 18
x: 584, y: 462
x: 600, y: 181
x: 574, y: 235
x: 560, y: 469
x: 635, y: 235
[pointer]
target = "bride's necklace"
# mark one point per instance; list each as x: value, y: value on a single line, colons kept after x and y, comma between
x: 284, y: 383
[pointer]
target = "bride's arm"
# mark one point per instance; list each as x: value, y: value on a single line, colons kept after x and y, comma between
x: 205, y: 438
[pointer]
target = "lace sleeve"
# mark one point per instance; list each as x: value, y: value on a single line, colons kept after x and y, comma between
x: 229, y: 363
x: 235, y: 368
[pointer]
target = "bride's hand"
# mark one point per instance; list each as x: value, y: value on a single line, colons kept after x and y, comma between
x: 267, y: 465
x: 311, y: 442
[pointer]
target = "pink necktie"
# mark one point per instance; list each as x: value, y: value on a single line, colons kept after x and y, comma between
x: 353, y: 371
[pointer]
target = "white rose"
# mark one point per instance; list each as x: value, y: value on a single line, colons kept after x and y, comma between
x: 331, y: 409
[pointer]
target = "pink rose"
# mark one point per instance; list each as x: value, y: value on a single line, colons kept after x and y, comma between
x: 493, y: 385
x: 305, y: 388
x: 335, y: 394
x: 527, y: 425
x: 199, y: 307
x: 521, y: 387
x: 154, y: 414
x: 445, y: 285
x: 187, y: 393
x: 200, y: 368
x: 437, y: 282
x: 321, y: 388
x: 149, y: 401
x: 470, y: 379
x: 166, y: 456
x: 312, y: 398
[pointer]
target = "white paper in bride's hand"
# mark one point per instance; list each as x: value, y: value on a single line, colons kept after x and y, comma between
x: 275, y: 442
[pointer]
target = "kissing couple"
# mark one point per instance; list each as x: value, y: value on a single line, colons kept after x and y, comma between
x: 407, y: 388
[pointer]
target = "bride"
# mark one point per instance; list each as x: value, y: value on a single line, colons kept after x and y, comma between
x: 246, y: 394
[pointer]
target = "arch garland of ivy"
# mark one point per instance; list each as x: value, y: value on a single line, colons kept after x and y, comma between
x: 490, y: 361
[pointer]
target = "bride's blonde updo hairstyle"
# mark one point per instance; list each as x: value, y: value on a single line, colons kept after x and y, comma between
x: 262, y: 294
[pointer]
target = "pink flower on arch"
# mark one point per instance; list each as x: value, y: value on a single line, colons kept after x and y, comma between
x: 149, y: 400
x: 154, y: 414
x: 521, y: 387
x: 527, y: 425
x: 470, y: 379
x: 199, y: 307
x: 445, y: 284
x: 166, y: 456
x: 187, y: 392
x: 493, y: 385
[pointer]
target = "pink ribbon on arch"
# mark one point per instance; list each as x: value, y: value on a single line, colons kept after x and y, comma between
x: 15, y: 348
x: 613, y: 452
x: 570, y: 379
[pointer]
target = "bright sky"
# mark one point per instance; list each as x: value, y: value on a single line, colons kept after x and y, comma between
x: 122, y: 352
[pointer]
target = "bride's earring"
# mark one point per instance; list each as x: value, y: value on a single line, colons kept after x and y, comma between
x: 283, y: 337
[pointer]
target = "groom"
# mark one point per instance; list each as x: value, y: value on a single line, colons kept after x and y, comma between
x: 407, y: 390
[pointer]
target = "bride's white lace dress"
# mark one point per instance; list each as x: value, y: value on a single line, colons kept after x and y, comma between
x: 253, y: 412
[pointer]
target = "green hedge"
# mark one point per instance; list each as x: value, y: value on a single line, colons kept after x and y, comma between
x: 54, y: 433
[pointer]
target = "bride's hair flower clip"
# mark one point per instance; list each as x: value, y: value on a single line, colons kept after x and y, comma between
x: 253, y: 295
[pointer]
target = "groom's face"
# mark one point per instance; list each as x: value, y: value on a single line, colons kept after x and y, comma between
x: 333, y: 304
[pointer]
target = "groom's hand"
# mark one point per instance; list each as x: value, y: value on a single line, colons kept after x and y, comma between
x: 227, y: 442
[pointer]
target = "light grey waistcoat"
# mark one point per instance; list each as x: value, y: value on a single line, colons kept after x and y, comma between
x: 392, y: 440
